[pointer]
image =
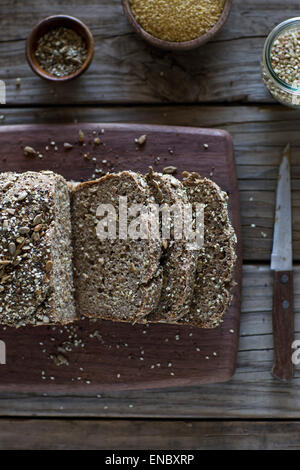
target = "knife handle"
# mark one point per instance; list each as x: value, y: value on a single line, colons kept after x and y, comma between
x: 283, y: 325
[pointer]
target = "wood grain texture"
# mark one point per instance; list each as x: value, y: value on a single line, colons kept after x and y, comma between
x: 283, y: 324
x: 127, y: 70
x: 117, y: 434
x: 119, y: 356
x: 148, y: 83
x: 259, y: 135
x: 251, y: 393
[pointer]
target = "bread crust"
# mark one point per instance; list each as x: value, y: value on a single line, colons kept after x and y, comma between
x: 216, y: 260
x: 178, y: 261
x: 36, y: 285
x: 120, y: 280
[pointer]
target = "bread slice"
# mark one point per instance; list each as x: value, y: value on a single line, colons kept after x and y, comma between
x: 118, y: 279
x: 178, y: 261
x: 36, y: 282
x: 216, y: 260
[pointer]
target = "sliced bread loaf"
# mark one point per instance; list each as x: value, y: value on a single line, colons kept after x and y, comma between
x: 115, y: 279
x: 36, y: 281
x: 216, y: 260
x: 178, y: 262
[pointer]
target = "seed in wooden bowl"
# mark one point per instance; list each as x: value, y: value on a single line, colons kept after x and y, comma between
x: 61, y: 51
x: 178, y: 20
x: 68, y: 146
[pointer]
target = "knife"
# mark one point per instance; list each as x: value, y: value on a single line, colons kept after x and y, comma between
x: 282, y: 264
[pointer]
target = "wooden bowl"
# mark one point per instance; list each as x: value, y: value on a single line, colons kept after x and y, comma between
x: 53, y: 22
x: 176, y: 46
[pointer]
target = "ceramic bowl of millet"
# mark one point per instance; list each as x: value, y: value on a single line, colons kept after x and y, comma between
x: 53, y: 23
x: 176, y: 46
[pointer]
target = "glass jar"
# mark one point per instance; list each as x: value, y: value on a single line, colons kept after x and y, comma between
x: 286, y: 93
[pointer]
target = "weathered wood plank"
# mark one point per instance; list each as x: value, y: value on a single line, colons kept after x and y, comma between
x: 259, y: 134
x: 104, y: 15
x: 125, y: 69
x: 72, y: 434
x: 252, y: 393
x: 106, y: 18
x: 258, y: 131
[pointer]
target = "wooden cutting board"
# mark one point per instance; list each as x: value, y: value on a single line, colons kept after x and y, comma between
x: 95, y: 356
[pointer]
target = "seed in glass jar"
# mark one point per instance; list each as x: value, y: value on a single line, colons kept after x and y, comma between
x: 169, y: 170
x: 285, y: 56
x: 24, y: 230
x: 35, y: 236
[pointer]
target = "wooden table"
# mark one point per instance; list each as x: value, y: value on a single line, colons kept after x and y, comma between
x: 220, y: 86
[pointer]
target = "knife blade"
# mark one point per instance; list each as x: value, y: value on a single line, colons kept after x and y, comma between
x: 282, y: 264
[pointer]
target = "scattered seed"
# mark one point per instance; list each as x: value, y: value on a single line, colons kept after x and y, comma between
x: 169, y: 170
x: 59, y: 359
x: 141, y: 140
x: 67, y: 146
x: 30, y: 151
x: 177, y: 21
x: 80, y: 136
